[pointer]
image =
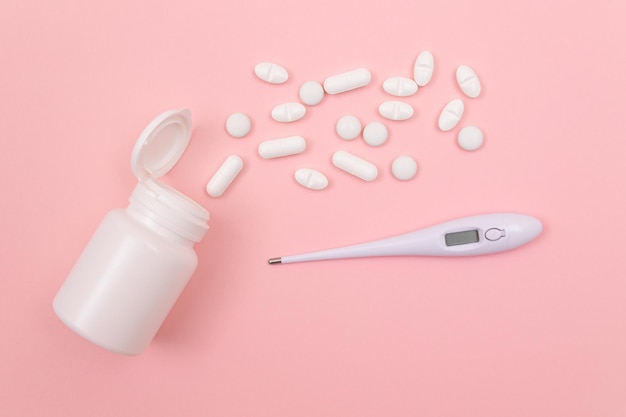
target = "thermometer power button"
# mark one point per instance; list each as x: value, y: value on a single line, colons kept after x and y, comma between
x: 494, y: 234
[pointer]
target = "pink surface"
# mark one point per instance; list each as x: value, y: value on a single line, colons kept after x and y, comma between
x: 540, y: 331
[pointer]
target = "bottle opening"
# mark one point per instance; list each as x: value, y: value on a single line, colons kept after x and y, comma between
x: 171, y: 209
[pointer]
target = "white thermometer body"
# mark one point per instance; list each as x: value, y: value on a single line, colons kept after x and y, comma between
x: 467, y: 236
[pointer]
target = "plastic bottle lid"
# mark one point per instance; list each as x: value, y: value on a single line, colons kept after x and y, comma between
x: 161, y: 144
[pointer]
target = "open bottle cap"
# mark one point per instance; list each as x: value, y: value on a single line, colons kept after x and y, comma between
x: 161, y: 144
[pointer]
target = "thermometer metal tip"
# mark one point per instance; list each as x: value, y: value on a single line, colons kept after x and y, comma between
x: 273, y: 261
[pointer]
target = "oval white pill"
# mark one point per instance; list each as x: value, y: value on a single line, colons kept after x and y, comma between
x: 451, y: 114
x: 468, y: 81
x: 311, y: 93
x: 404, y: 168
x: 348, y: 127
x: 311, y: 179
x: 275, y: 148
x: 375, y: 133
x: 354, y: 165
x: 272, y: 73
x: 238, y: 125
x: 423, y: 68
x: 470, y: 138
x: 347, y: 81
x: 400, y: 86
x: 288, y: 112
x: 396, y: 110
x: 225, y: 174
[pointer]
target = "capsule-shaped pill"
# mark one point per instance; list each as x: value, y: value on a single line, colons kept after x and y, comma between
x: 354, y: 165
x: 288, y: 112
x: 468, y: 81
x: 396, y: 110
x: 451, y: 114
x: 400, y: 86
x: 271, y: 73
x: 224, y: 176
x: 347, y: 81
x: 276, y: 148
x: 311, y: 179
x: 423, y: 68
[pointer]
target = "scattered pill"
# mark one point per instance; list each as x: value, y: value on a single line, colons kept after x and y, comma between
x: 225, y: 174
x: 468, y: 81
x: 348, y: 127
x: 451, y: 114
x: 375, y: 133
x: 311, y: 179
x: 275, y: 148
x: 400, y: 86
x: 311, y: 93
x: 238, y: 125
x: 347, y: 81
x: 396, y: 110
x: 272, y: 73
x: 423, y: 69
x: 288, y: 112
x: 354, y: 165
x: 404, y: 168
x: 470, y: 138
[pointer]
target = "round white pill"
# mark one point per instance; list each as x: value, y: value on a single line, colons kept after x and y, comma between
x: 348, y: 127
x: 238, y: 125
x: 375, y: 133
x: 311, y: 93
x: 470, y: 138
x: 404, y: 168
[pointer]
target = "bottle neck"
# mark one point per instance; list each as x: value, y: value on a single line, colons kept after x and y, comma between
x: 169, y: 210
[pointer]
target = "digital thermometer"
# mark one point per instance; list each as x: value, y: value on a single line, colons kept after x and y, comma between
x: 467, y: 236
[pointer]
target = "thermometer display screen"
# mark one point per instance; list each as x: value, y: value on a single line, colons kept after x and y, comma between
x: 461, y: 238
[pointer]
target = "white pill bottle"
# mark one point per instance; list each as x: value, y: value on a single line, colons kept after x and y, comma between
x: 140, y: 258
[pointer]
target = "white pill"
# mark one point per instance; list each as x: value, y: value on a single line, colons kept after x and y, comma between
x: 451, y: 114
x: 404, y: 168
x: 288, y: 112
x: 354, y: 165
x: 468, y: 81
x: 348, y: 127
x: 311, y: 93
x: 423, y: 68
x: 275, y: 148
x: 272, y: 73
x: 375, y: 133
x: 400, y: 86
x: 347, y: 81
x: 225, y: 174
x: 238, y: 125
x: 311, y: 179
x: 470, y: 138
x: 396, y: 110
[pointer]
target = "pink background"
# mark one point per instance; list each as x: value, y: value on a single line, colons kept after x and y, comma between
x: 540, y: 331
